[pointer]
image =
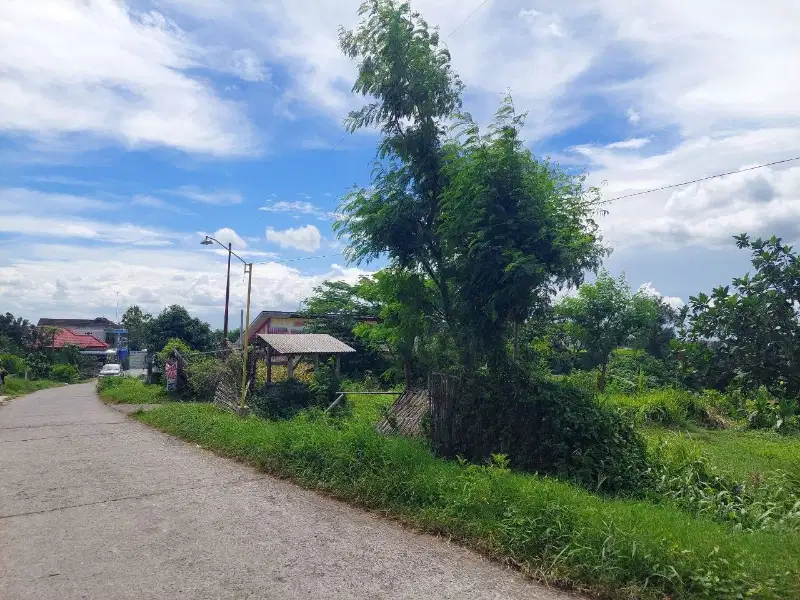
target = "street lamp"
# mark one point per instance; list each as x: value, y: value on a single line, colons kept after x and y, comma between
x: 248, y: 269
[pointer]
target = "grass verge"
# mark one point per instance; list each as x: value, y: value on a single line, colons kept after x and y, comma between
x: 19, y: 387
x: 127, y: 390
x: 550, y: 529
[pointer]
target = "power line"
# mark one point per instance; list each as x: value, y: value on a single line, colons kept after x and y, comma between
x: 282, y: 262
x: 674, y: 185
x: 469, y: 16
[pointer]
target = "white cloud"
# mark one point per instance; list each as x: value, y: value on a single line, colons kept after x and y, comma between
x: 127, y: 79
x: 306, y: 238
x: 298, y: 206
x: 673, y: 301
x: 763, y: 201
x: 76, y: 281
x: 631, y: 144
x: 25, y: 200
x: 220, y: 197
x: 248, y: 66
x: 75, y: 228
x: 633, y: 116
x: 156, y: 203
x: 226, y: 235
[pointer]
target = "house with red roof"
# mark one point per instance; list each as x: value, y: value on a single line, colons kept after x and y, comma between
x: 85, y: 341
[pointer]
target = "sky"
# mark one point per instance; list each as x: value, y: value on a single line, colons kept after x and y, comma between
x: 130, y: 130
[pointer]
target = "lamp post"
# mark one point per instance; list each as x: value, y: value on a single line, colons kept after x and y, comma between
x: 248, y: 270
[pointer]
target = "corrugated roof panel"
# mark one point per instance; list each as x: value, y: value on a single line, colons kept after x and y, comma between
x: 305, y: 343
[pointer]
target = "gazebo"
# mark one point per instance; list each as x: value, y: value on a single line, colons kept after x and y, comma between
x: 295, y: 346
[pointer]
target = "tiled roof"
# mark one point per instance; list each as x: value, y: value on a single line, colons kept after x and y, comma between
x: 305, y: 343
x: 83, y: 341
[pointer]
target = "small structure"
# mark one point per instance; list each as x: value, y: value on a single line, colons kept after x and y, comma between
x: 406, y: 415
x: 101, y: 328
x: 295, y: 346
x: 279, y: 321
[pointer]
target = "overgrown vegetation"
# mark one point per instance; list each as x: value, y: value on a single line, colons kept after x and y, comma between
x: 550, y: 529
x: 128, y: 390
x: 15, y: 386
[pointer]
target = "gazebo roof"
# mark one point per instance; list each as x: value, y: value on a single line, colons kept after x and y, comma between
x: 304, y: 343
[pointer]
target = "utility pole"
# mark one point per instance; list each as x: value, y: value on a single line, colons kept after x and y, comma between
x: 227, y: 298
x: 248, y: 267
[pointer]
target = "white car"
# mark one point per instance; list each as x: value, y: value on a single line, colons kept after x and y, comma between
x: 110, y: 371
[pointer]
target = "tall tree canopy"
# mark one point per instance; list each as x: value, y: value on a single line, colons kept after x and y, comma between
x: 756, y: 327
x: 136, y: 321
x: 493, y: 228
x: 176, y: 322
x: 605, y: 315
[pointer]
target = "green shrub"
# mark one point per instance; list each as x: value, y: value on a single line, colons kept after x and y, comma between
x: 173, y: 344
x: 282, y: 400
x: 39, y: 365
x: 324, y: 385
x: 204, y: 375
x: 634, y: 371
x: 12, y: 363
x: 64, y: 373
x: 667, y: 407
x: 547, y: 426
x: 622, y: 549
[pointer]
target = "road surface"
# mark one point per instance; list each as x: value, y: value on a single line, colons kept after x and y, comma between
x: 96, y: 505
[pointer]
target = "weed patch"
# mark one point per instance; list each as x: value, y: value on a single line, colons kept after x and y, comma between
x: 127, y: 390
x: 19, y: 387
x: 551, y: 529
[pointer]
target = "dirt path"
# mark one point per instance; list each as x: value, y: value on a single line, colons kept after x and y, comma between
x: 96, y: 505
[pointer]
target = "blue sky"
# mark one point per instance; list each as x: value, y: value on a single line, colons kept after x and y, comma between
x: 130, y: 130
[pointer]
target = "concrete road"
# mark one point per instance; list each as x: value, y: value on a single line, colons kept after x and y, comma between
x: 96, y: 505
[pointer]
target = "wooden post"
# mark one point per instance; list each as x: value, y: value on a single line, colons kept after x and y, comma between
x: 316, y: 361
x: 269, y: 364
x: 289, y: 366
x: 338, y: 365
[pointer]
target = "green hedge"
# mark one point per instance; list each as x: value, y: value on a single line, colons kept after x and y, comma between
x: 553, y: 530
x: 128, y: 390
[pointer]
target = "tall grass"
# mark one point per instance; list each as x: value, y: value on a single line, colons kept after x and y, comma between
x: 128, y: 390
x: 550, y: 529
x: 15, y: 386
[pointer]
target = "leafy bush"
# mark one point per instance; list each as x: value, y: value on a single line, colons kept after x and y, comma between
x: 173, y: 344
x: 12, y: 363
x: 39, y: 365
x: 547, y: 426
x: 620, y: 548
x: 667, y: 407
x: 204, y: 375
x: 324, y: 385
x: 634, y: 371
x: 64, y: 373
x: 282, y: 400
x: 16, y: 386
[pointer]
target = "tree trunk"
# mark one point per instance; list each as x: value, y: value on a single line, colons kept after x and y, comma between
x: 407, y: 372
x: 601, y: 381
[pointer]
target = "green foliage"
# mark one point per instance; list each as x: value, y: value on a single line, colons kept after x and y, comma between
x: 70, y: 354
x: 176, y: 322
x: 128, y: 390
x: 621, y: 549
x: 667, y: 407
x: 338, y: 308
x: 405, y: 300
x: 16, y: 334
x: 137, y: 322
x: 633, y: 371
x: 324, y: 385
x: 169, y: 346
x: 39, y: 364
x: 64, y: 373
x: 12, y: 364
x: 547, y: 426
x: 16, y: 386
x: 514, y: 229
x: 605, y: 315
x: 684, y: 476
x: 282, y: 400
x: 204, y: 375
x: 757, y: 325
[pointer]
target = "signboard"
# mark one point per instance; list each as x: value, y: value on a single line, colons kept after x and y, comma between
x: 171, y: 372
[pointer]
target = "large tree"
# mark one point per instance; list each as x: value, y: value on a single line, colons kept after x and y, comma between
x: 137, y: 322
x: 176, y: 322
x: 756, y: 327
x: 493, y: 228
x: 605, y: 315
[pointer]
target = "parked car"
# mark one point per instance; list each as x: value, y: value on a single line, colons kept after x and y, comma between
x: 110, y: 371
